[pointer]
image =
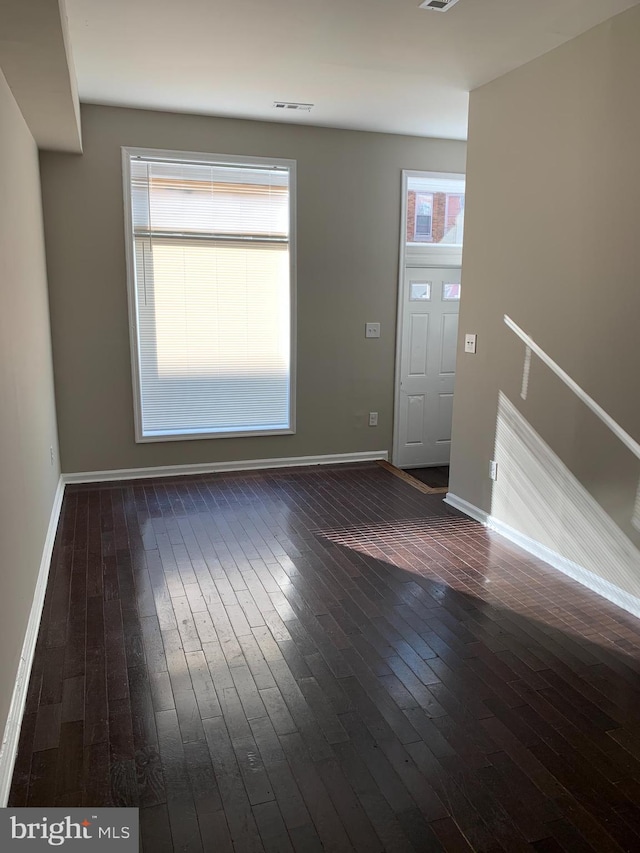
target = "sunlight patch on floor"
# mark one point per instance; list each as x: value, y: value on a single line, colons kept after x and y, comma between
x: 403, y: 532
x: 540, y: 497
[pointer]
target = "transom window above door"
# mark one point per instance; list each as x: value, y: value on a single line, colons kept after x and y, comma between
x: 435, y: 210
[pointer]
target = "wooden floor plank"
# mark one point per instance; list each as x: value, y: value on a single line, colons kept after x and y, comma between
x: 326, y: 659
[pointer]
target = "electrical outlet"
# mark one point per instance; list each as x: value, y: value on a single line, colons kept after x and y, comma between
x: 372, y: 330
x: 373, y: 419
x: 470, y: 343
x: 52, y: 454
x: 493, y: 469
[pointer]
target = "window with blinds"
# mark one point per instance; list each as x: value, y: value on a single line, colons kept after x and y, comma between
x: 210, y: 250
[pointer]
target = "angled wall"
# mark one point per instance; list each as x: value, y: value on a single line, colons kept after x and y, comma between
x: 29, y: 476
x: 551, y: 240
x: 36, y: 59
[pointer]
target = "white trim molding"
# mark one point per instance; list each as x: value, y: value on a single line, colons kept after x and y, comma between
x: 467, y: 508
x: 595, y: 583
x: 136, y: 345
x: 221, y: 467
x: 11, y: 736
x: 412, y: 256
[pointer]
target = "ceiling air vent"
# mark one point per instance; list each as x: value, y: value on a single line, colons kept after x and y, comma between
x: 288, y: 105
x: 438, y: 5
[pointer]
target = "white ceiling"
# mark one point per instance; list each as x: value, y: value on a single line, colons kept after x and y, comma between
x: 382, y: 65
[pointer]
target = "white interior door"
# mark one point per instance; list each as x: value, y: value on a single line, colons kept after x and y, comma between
x: 431, y: 301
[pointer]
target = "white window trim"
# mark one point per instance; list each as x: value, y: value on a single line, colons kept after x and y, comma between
x: 199, y: 157
x: 429, y: 238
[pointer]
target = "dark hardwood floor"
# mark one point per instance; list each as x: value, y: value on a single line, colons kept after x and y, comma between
x: 437, y: 478
x: 326, y: 659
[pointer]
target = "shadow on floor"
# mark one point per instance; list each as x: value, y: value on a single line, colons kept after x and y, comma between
x: 326, y: 659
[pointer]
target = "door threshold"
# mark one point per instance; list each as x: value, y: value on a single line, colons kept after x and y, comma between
x: 412, y: 481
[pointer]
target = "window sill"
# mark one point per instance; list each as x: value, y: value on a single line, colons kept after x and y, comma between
x: 203, y: 436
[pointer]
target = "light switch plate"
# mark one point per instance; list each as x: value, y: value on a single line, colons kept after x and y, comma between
x: 470, y: 343
x: 372, y: 330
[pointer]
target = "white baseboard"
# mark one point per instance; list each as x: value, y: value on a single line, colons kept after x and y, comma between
x: 594, y: 582
x: 220, y: 467
x: 11, y: 736
x: 467, y: 508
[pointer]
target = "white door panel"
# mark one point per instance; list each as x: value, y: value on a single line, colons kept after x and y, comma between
x: 418, y: 337
x: 415, y: 419
x: 427, y: 365
x: 445, y: 418
x: 448, y: 343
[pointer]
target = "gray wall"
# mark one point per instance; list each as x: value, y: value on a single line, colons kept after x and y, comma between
x: 348, y: 235
x: 553, y: 206
x: 27, y: 415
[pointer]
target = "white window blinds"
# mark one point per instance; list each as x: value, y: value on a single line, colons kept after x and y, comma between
x: 211, y: 295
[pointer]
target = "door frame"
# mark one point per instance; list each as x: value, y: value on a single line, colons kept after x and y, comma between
x: 444, y: 258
